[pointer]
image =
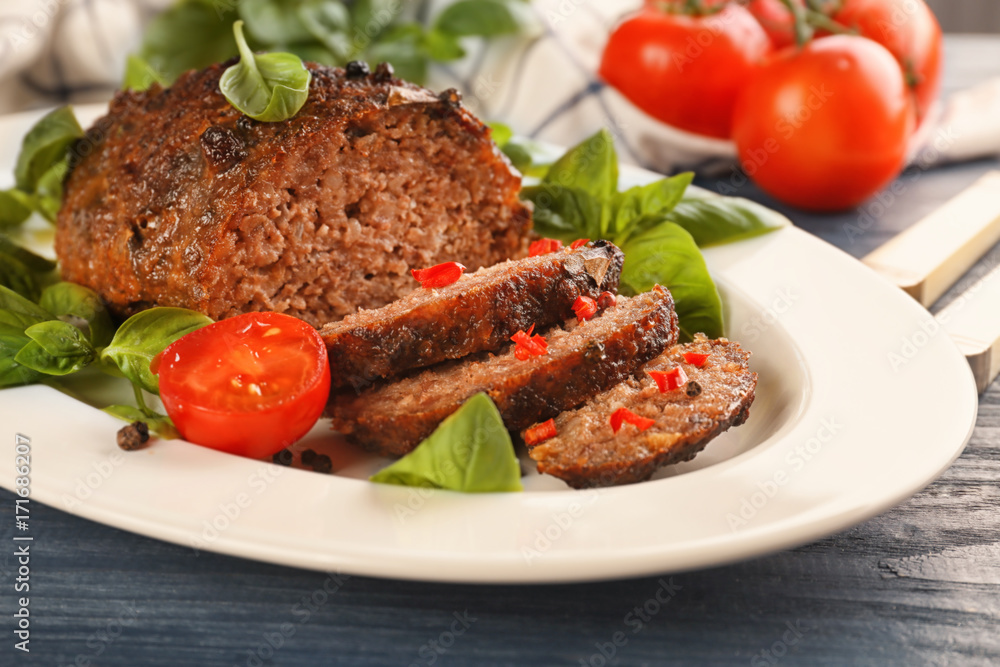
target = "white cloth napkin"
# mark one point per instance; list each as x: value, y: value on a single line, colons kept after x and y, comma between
x: 542, y: 83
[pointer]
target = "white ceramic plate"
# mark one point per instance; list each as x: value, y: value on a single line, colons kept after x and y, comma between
x: 861, y: 402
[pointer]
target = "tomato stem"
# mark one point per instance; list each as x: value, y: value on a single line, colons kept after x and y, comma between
x: 803, y: 30
x: 823, y: 21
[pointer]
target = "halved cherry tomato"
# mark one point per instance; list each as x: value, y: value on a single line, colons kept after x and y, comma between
x: 909, y: 30
x: 685, y: 70
x: 249, y: 385
x: 826, y: 126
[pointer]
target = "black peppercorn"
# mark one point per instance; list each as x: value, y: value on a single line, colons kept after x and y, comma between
x: 133, y: 436
x: 693, y: 389
x: 357, y: 69
x: 384, y: 72
x: 322, y: 463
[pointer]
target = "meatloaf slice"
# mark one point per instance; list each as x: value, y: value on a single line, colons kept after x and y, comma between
x: 587, y: 453
x: 392, y: 419
x: 478, y: 313
x: 177, y: 199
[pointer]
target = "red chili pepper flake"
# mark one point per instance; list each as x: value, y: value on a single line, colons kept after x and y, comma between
x: 695, y: 359
x: 577, y: 243
x: 441, y: 275
x: 585, y: 308
x: 529, y: 346
x: 669, y: 380
x: 544, y: 247
x: 625, y: 415
x: 540, y: 433
x: 606, y: 300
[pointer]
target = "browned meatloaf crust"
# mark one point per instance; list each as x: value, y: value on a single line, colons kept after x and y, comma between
x: 587, y: 453
x: 392, y: 419
x: 478, y: 313
x: 180, y: 200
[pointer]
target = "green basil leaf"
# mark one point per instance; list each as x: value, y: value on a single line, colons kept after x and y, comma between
x: 470, y: 452
x: 564, y: 213
x: 140, y: 74
x: 71, y: 300
x: 485, y: 18
x: 13, y: 374
x: 56, y: 348
x: 314, y: 52
x: 591, y: 166
x: 162, y: 425
x: 45, y: 145
x: 527, y: 157
x: 272, y: 22
x: 32, y: 261
x: 269, y: 87
x: 644, y: 206
x: 715, y: 220
x: 16, y: 276
x: 442, y: 46
x: 17, y: 310
x: 14, y: 208
x: 49, y: 191
x: 16, y: 315
x: 402, y: 46
x: 372, y: 17
x: 330, y: 23
x: 145, y: 335
x: 189, y: 35
x: 667, y: 255
x: 500, y: 133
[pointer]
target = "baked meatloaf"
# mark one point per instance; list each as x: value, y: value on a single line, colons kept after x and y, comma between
x: 393, y: 418
x: 586, y: 452
x: 478, y: 313
x: 177, y: 199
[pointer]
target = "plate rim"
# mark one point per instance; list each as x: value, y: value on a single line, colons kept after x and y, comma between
x: 572, y: 565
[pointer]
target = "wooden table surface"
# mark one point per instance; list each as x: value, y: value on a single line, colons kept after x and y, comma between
x: 917, y: 585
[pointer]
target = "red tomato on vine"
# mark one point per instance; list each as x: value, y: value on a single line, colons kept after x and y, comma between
x: 685, y: 69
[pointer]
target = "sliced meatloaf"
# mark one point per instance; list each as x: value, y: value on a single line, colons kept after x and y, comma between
x: 177, y: 199
x: 586, y: 452
x: 392, y: 419
x: 478, y: 313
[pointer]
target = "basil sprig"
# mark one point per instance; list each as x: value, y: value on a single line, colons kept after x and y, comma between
x: 527, y: 156
x: 22, y: 270
x: 192, y: 34
x: 40, y: 169
x: 470, y: 451
x: 145, y: 335
x: 268, y: 87
x: 659, y: 226
x: 70, y: 330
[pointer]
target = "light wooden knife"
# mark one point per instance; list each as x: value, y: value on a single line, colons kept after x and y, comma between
x: 929, y: 257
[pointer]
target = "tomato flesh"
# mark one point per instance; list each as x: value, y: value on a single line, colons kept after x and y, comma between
x: 249, y: 385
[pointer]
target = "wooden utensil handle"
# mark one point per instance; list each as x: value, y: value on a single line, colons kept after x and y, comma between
x: 930, y: 256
